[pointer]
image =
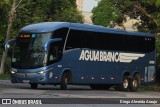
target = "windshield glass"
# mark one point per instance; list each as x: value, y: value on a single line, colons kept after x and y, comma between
x: 29, y: 51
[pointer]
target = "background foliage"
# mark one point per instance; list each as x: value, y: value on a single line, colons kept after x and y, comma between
x: 34, y: 11
x: 146, y: 11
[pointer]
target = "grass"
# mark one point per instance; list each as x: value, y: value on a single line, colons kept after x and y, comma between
x: 153, y: 87
x: 4, y: 76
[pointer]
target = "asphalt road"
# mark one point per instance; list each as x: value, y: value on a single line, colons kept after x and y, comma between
x: 76, y: 96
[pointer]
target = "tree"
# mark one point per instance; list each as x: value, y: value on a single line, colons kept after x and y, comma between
x: 147, y: 11
x: 34, y: 11
x: 4, y: 8
x: 104, y: 13
x: 10, y: 22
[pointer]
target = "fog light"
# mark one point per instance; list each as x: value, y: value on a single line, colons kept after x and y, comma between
x: 42, y: 78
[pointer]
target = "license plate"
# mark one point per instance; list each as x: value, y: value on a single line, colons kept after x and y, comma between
x: 26, y: 81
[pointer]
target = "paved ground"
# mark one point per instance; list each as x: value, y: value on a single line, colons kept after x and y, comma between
x: 75, y: 95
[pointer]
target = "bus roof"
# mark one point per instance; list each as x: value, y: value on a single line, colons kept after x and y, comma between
x: 51, y: 26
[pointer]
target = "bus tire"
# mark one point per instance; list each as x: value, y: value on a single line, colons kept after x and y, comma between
x: 124, y: 86
x: 64, y: 82
x: 34, y: 86
x: 134, y: 84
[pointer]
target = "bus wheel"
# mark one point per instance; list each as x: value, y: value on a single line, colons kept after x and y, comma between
x: 64, y: 82
x: 34, y: 86
x: 134, y: 84
x: 124, y: 85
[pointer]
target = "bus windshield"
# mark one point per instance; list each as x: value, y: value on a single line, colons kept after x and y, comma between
x: 29, y: 51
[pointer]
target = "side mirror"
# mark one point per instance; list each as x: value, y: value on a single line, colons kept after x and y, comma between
x: 7, y: 44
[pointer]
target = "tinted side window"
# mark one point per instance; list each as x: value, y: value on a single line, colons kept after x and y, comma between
x: 140, y: 44
x: 61, y: 33
x: 55, y: 53
x: 119, y: 42
x: 109, y: 41
x: 74, y: 39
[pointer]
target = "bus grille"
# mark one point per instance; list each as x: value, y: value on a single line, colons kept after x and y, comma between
x: 26, y: 74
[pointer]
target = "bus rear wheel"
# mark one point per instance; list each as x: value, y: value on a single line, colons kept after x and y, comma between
x: 124, y: 85
x: 34, y: 86
x: 134, y: 84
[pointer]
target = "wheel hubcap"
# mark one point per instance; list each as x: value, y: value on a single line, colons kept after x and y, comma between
x: 66, y: 81
x: 125, y: 83
x: 134, y: 83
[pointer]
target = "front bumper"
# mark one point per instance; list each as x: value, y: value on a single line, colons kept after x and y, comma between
x: 29, y: 78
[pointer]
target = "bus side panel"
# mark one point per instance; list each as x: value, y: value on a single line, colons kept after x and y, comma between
x: 149, y: 68
x: 85, y: 71
x: 92, y: 72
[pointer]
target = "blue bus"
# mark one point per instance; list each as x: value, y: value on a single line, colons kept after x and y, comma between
x: 64, y: 53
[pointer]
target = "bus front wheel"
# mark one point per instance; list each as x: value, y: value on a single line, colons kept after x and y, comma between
x: 34, y: 86
x: 64, y: 82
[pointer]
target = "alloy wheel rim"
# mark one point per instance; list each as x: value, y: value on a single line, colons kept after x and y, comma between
x: 134, y: 83
x: 125, y: 83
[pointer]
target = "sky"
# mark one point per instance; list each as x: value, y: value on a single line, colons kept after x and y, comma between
x: 89, y: 4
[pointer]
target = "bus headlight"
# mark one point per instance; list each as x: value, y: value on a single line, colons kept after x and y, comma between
x: 44, y: 71
x: 41, y: 72
x: 13, y: 71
